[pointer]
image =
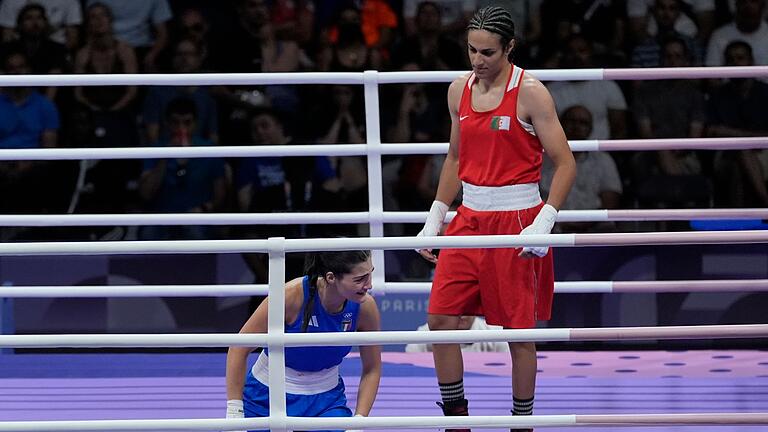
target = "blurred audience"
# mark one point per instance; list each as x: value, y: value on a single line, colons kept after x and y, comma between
x: 143, y: 25
x: 255, y: 36
x: 748, y: 25
x: 429, y: 47
x: 182, y: 185
x: 187, y: 58
x: 666, y: 14
x: 63, y: 16
x: 671, y: 109
x: 597, y: 185
x: 28, y: 119
x: 454, y: 16
x: 192, y: 25
x: 604, y: 99
x: 691, y: 18
x: 737, y: 109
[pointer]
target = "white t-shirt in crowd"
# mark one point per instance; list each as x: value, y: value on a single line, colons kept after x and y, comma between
x: 596, y: 173
x: 684, y: 24
x: 597, y: 96
x: 728, y: 33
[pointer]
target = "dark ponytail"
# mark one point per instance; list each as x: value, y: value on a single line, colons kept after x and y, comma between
x: 496, y: 20
x: 318, y: 264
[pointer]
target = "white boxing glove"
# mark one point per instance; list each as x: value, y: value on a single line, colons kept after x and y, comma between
x: 434, y: 222
x: 542, y: 224
x: 235, y: 410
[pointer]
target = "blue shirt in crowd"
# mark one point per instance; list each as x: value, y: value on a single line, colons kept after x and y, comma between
x: 21, y: 126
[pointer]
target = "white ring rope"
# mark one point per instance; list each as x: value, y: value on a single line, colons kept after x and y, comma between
x: 222, y: 340
x: 360, y: 217
x: 235, y: 290
x: 738, y: 143
x: 283, y: 78
x: 734, y: 143
x: 310, y: 423
x: 383, y: 243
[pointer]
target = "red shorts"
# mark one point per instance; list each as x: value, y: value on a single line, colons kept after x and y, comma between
x: 508, y: 290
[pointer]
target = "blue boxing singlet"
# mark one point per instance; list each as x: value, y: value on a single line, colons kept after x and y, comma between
x: 316, y: 358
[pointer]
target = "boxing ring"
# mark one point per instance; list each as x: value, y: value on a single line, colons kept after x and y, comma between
x: 712, y: 390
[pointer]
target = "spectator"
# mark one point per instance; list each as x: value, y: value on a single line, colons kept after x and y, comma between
x: 187, y: 58
x: 729, y: 8
x: 270, y: 184
x: 110, y: 106
x: 602, y: 23
x: 249, y: 46
x: 648, y: 52
x: 465, y: 323
x: 603, y: 99
x: 294, y: 20
x: 429, y: 47
x: 142, y: 24
x: 44, y: 55
x: 748, y: 26
x: 597, y: 185
x: 182, y: 185
x: 27, y: 120
x: 454, y: 16
x: 644, y: 21
x: 348, y: 50
x: 347, y: 127
x: 671, y: 109
x: 64, y: 18
x: 737, y: 109
x: 252, y: 45
x: 193, y: 26
x: 418, y: 118
x: 374, y: 18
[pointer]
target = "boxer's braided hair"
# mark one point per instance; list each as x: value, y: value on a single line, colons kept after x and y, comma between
x: 496, y: 20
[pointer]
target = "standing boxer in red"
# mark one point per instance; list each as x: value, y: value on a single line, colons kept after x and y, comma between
x: 502, y: 120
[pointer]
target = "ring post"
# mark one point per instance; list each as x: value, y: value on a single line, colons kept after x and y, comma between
x: 375, y: 187
x: 275, y: 334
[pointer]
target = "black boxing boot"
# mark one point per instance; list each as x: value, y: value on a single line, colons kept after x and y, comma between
x: 455, y: 408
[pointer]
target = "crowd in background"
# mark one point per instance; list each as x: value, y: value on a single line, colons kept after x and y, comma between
x: 252, y: 36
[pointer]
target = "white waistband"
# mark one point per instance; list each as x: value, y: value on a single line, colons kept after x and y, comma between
x: 298, y: 382
x: 500, y: 198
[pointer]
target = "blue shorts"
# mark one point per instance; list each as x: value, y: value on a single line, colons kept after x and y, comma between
x: 332, y: 403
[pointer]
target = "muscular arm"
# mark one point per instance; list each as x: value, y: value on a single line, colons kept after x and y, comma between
x: 449, y: 184
x: 370, y: 355
x: 237, y: 357
x: 538, y: 106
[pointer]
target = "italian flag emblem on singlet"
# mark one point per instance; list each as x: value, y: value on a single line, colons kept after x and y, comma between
x: 500, y: 123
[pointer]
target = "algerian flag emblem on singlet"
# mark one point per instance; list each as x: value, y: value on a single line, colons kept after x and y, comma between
x: 500, y: 122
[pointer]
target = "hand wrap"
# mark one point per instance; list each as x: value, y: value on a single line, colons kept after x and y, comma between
x: 542, y: 224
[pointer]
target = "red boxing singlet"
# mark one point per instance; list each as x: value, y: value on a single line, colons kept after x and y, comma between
x: 494, y: 148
